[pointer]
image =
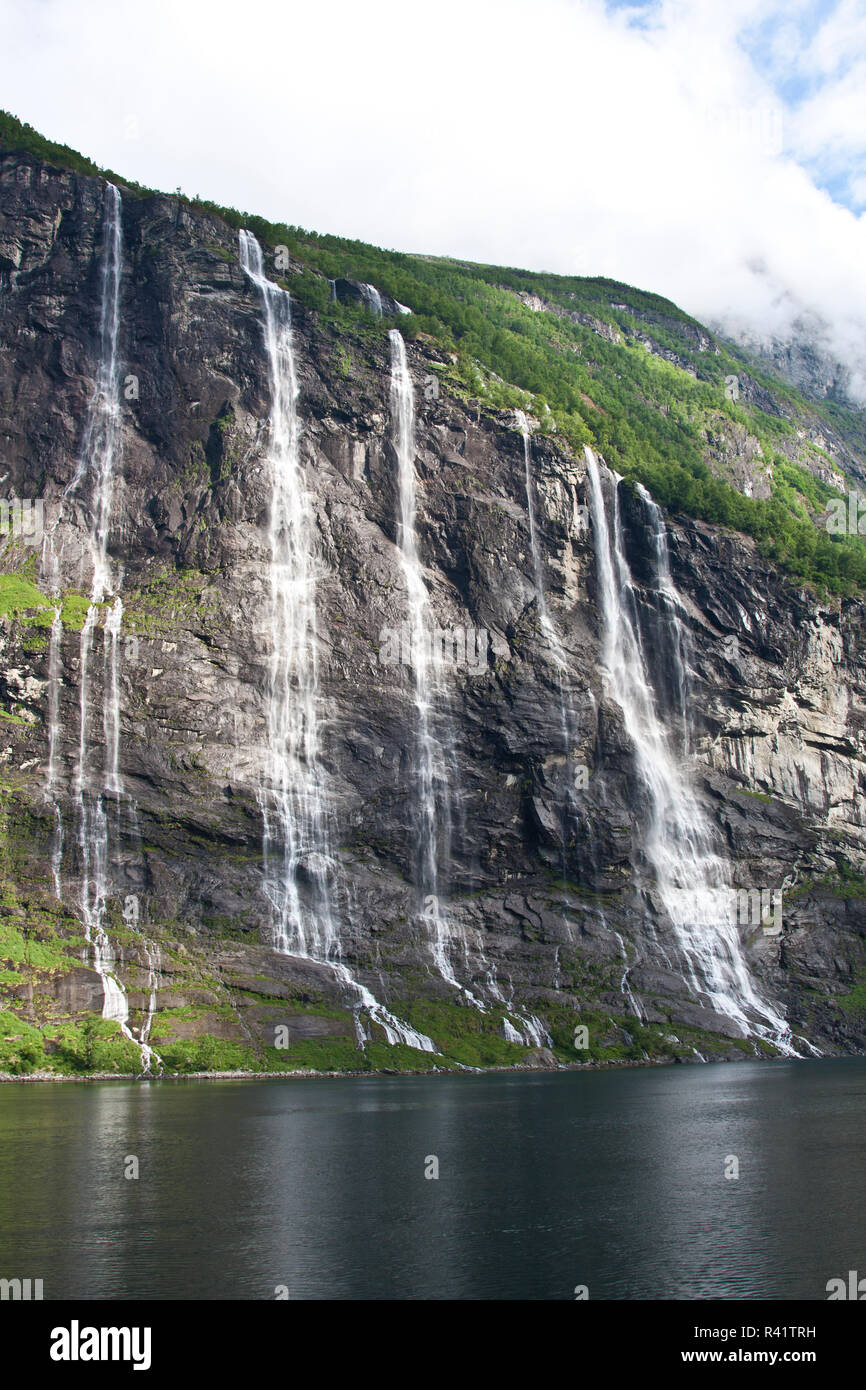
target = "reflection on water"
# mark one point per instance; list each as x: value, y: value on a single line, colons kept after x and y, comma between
x: 613, y: 1179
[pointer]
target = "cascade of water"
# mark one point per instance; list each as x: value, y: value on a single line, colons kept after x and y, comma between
x: 148, y: 1056
x: 102, y: 429
x: 97, y: 462
x: 692, y: 880
x: 511, y: 1033
x: 567, y: 717
x: 52, y: 783
x: 547, y: 625
x: 432, y: 794
x: 373, y: 299
x: 533, y: 1032
x: 624, y: 986
x: 298, y: 864
x: 670, y: 606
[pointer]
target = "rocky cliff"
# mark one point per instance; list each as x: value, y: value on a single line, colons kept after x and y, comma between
x: 553, y: 919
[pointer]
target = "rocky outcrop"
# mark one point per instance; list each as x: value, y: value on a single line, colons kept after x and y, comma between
x: 377, y: 301
x: 551, y: 914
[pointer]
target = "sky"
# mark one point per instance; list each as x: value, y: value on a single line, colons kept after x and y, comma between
x: 713, y: 151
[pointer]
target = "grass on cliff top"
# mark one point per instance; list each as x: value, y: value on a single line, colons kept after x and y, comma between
x: 644, y: 413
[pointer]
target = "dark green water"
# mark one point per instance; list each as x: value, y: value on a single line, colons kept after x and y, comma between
x: 612, y: 1179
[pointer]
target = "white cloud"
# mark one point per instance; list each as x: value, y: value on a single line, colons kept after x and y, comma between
x: 555, y: 134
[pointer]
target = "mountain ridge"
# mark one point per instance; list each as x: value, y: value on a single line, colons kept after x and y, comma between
x: 757, y: 421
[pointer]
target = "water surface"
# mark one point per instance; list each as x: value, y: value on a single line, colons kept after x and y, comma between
x: 610, y: 1179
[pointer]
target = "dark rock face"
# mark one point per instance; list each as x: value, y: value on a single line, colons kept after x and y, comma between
x: 545, y: 879
x: 355, y: 292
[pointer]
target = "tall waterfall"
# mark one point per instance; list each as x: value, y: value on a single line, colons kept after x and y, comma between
x: 431, y: 801
x: 567, y: 718
x: 433, y: 792
x: 546, y: 622
x: 548, y: 627
x: 97, y: 774
x: 670, y: 609
x: 691, y: 879
x: 52, y: 782
x: 298, y: 863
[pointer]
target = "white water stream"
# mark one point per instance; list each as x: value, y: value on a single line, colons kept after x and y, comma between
x: 298, y: 863
x: 96, y: 780
x: 691, y: 878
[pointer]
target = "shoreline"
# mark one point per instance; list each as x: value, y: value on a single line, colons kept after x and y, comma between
x: 35, y: 1078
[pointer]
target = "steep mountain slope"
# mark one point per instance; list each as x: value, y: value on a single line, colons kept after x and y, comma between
x: 547, y: 913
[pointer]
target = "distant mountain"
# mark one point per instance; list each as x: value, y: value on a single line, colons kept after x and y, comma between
x: 806, y: 359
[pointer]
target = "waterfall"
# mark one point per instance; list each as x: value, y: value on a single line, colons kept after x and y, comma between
x: 147, y: 1053
x: 92, y: 786
x: 624, y: 986
x: 431, y: 799
x: 547, y: 625
x: 298, y: 863
x: 52, y: 783
x: 691, y: 879
x: 97, y: 462
x: 670, y: 608
x: 373, y: 300
x: 102, y: 430
x: 567, y: 718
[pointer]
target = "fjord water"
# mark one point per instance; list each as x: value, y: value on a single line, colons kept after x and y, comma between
x: 610, y: 1179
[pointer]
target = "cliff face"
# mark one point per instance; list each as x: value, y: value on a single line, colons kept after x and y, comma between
x: 551, y: 912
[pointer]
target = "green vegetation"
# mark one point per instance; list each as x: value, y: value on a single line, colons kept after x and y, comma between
x: 22, y: 1047
x: 19, y: 595
x: 173, y: 598
x: 616, y: 1039
x: 573, y: 352
x: 462, y: 1034
x: 855, y: 1001
x: 17, y: 136
x: 74, y: 611
x: 21, y: 599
